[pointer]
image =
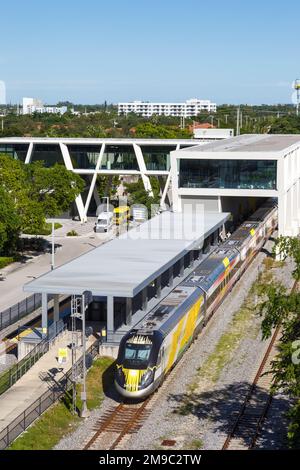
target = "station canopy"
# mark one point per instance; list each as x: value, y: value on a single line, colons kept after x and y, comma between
x: 123, y: 266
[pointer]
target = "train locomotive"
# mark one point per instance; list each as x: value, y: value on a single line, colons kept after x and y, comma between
x: 152, y: 348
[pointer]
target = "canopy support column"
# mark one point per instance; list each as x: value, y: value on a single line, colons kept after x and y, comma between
x: 158, y: 287
x: 128, y: 310
x: 44, y: 314
x: 56, y: 307
x: 110, y: 316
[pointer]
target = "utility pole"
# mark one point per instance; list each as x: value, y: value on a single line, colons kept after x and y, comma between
x: 226, y: 119
x: 79, y: 306
x: 84, y: 298
x: 238, y: 121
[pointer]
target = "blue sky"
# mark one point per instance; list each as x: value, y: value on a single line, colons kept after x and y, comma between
x: 87, y: 51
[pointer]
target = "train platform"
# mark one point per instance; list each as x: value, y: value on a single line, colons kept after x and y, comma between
x: 41, y: 377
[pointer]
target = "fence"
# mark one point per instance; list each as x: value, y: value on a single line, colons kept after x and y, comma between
x: 14, y: 373
x: 25, y: 419
x: 20, y: 310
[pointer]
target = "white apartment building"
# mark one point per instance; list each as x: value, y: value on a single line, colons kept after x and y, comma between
x: 34, y: 105
x: 189, y: 108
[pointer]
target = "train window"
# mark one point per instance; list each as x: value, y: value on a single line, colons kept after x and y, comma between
x: 137, y: 352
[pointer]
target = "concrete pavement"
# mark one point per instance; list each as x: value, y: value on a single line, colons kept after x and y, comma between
x: 18, y: 274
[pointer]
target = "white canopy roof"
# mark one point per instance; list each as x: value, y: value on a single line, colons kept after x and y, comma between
x: 124, y: 265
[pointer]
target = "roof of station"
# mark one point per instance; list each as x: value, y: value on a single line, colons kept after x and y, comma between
x: 123, y: 266
x: 250, y: 143
x: 97, y: 141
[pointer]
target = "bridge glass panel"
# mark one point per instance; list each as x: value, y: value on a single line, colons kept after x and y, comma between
x: 227, y: 174
x: 84, y: 156
x: 17, y: 151
x: 48, y: 154
x: 119, y: 157
x: 157, y: 158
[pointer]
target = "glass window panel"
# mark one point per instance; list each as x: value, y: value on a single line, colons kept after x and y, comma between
x: 17, y: 151
x: 49, y: 154
x: 157, y: 158
x: 84, y: 156
x: 228, y: 174
x: 119, y: 157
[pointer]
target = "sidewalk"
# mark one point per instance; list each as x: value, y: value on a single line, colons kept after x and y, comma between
x: 36, y: 381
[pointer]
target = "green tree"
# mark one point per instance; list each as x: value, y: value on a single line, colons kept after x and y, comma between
x: 9, y: 224
x: 53, y: 188
x: 281, y: 307
x: 154, y: 131
x: 29, y: 194
x: 138, y: 194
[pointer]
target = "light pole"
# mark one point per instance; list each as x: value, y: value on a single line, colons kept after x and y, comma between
x: 52, y: 246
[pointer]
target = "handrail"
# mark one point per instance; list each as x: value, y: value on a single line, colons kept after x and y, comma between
x: 15, y: 372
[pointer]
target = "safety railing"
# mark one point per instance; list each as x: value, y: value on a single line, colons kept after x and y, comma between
x: 33, y: 411
x: 20, y: 310
x: 15, y: 372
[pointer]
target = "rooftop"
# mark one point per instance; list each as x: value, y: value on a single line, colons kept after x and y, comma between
x: 123, y: 266
x: 93, y: 141
x: 250, y: 143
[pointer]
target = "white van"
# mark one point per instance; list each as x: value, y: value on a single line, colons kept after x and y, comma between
x: 104, y: 222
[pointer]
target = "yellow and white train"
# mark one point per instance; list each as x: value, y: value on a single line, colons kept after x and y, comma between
x: 152, y: 348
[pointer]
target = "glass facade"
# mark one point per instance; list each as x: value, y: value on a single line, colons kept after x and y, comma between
x: 17, y: 151
x: 157, y: 158
x: 84, y: 156
x: 48, y: 154
x: 119, y: 157
x: 227, y: 174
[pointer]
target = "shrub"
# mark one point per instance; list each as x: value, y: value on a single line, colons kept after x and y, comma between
x: 72, y: 233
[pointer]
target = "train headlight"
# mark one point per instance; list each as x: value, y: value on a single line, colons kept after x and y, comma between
x: 147, y: 378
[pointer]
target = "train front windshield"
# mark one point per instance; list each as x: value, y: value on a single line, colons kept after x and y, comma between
x: 137, y: 354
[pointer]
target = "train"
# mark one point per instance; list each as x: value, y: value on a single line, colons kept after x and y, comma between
x: 152, y: 348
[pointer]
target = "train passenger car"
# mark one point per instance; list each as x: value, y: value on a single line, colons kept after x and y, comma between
x: 249, y: 238
x: 267, y: 214
x: 154, y: 346
x: 216, y: 276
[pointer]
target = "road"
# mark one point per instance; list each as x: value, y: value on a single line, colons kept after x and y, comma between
x: 18, y: 274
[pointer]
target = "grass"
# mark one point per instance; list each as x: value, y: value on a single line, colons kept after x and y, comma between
x: 58, y: 421
x: 6, y: 260
x: 46, y: 230
x: 240, y: 327
x: 195, y: 444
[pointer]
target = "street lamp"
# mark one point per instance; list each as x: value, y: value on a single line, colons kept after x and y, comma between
x: 52, y: 246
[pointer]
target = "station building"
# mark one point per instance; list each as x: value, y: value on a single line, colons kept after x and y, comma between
x: 236, y: 174
x: 92, y: 157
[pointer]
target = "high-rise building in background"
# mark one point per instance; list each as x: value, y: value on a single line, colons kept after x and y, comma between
x: 2, y: 92
x: 189, y: 108
x: 34, y: 105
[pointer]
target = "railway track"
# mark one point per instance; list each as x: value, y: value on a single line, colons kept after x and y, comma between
x: 249, y: 422
x: 116, y: 423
